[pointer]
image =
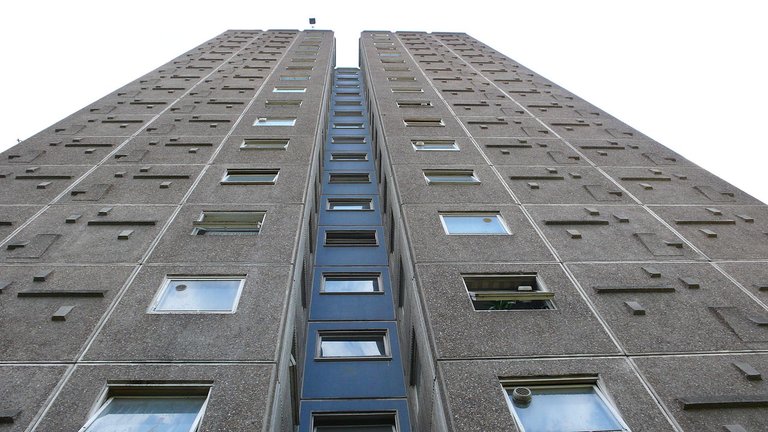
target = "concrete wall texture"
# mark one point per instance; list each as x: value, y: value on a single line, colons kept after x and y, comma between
x: 177, y: 241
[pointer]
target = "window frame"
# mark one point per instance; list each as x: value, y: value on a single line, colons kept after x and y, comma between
x: 498, y: 216
x: 352, y: 334
x: 362, y: 242
x: 168, y: 279
x: 425, y: 142
x: 376, y: 276
x: 279, y: 144
x: 228, y: 172
x: 199, y: 225
x: 115, y: 389
x: 458, y: 173
x: 542, y: 294
x: 275, y: 122
x: 563, y: 382
x: 347, y: 418
x: 289, y: 89
x: 329, y: 201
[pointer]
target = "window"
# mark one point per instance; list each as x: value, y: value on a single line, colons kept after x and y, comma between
x: 473, y: 223
x: 348, y: 139
x: 191, y: 294
x: 283, y: 102
x: 349, y: 157
x: 351, y: 283
x: 451, y: 177
x: 434, y: 145
x: 264, y: 144
x: 213, y: 222
x: 354, y: 422
x: 170, y: 409
x: 275, y: 121
x: 423, y: 122
x: 350, y: 204
x: 348, y: 125
x: 563, y: 404
x: 507, y: 292
x: 294, y: 78
x: 353, y: 344
x: 289, y: 89
x: 348, y: 113
x: 414, y: 104
x: 348, y: 103
x: 407, y: 90
x: 337, y: 178
x: 241, y: 176
x: 351, y: 238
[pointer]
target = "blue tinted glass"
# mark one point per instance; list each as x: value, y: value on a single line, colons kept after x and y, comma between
x: 566, y: 410
x: 473, y: 224
x: 199, y: 295
x: 166, y: 414
x: 358, y: 347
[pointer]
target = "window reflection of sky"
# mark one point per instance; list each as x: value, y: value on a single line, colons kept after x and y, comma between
x: 360, y: 347
x: 480, y: 224
x: 168, y: 414
x: 566, y: 410
x: 199, y: 295
x: 350, y: 285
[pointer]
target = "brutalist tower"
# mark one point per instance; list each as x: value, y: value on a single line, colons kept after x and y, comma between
x: 249, y: 238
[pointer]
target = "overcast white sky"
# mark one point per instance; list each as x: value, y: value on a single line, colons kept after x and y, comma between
x: 690, y: 74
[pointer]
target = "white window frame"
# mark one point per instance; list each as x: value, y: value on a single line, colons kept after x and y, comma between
x: 479, y: 214
x: 167, y: 283
x: 458, y: 173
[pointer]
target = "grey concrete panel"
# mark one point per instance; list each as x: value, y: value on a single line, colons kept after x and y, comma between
x: 252, y: 332
x: 99, y: 125
x: 689, y: 185
x: 752, y: 276
x: 33, y: 295
x: 592, y: 129
x: 529, y: 151
x: 394, y: 125
x: 234, y: 404
x: 431, y: 244
x: 689, y: 307
x: 495, y: 108
x: 473, y: 384
x: 462, y: 332
x: 401, y: 151
x: 273, y: 244
x: 626, y: 152
x: 33, y: 184
x: 414, y: 188
x: 134, y: 184
x: 186, y: 124
x: 12, y: 217
x: 200, y: 105
x: 44, y: 149
x: 676, y: 378
x: 487, y: 127
x: 87, y: 237
x: 735, y: 233
x: 305, y: 126
x: 173, y: 149
x: 289, y: 187
x: 616, y: 233
x: 561, y: 185
x: 25, y: 390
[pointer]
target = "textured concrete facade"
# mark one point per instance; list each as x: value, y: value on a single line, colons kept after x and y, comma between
x: 645, y: 277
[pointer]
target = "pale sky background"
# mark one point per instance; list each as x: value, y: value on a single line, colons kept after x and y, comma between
x: 691, y: 74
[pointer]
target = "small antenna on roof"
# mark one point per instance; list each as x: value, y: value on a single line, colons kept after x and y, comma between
x: 312, y: 22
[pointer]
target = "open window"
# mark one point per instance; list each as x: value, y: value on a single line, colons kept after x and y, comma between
x: 443, y: 176
x: 496, y: 292
x: 225, y: 222
x: 161, y: 408
x: 563, y: 404
x: 480, y: 223
x: 198, y: 294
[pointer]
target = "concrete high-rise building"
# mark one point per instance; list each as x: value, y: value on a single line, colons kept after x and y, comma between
x: 251, y: 239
